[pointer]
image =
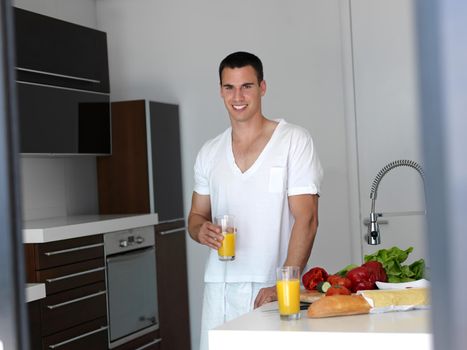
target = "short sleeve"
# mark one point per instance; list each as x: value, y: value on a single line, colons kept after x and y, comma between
x: 201, y: 176
x: 304, y: 167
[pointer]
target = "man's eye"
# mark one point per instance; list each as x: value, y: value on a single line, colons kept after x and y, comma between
x: 247, y: 86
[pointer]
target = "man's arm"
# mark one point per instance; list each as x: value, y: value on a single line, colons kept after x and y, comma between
x: 304, y: 209
x: 199, y: 222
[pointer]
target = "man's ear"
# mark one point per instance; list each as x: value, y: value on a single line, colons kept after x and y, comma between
x: 262, y: 86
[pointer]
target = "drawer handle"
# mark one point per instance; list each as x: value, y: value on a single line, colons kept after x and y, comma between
x: 163, y: 233
x: 155, y: 341
x: 51, y: 280
x: 56, y: 252
x: 54, y: 346
x: 58, y: 75
x: 51, y: 307
x: 171, y: 220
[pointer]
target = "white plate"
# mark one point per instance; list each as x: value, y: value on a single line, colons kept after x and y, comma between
x: 404, y: 285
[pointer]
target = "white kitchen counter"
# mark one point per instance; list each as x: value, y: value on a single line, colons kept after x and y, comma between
x: 55, y: 229
x: 35, y: 291
x: 263, y: 329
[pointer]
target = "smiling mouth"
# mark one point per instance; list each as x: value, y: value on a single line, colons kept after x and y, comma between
x: 239, y: 107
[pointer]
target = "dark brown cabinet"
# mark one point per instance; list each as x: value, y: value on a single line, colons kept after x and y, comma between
x: 55, y: 52
x: 62, y: 80
x: 143, y: 175
x: 73, y: 315
x: 171, y: 285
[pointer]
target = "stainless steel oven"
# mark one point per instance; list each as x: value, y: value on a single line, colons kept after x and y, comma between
x: 131, y: 284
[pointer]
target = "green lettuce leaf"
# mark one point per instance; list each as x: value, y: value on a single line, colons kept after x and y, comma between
x: 392, y: 260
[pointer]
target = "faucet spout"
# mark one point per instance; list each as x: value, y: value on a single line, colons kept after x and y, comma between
x: 373, y: 235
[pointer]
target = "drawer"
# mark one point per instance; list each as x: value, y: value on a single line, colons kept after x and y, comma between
x: 150, y: 341
x: 68, y: 251
x: 66, y: 277
x: 70, y: 308
x: 90, y: 336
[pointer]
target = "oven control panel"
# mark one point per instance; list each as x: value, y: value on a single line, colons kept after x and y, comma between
x: 136, y: 238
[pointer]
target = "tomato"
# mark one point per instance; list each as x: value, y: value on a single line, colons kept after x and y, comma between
x: 338, y: 290
x: 313, y: 277
x: 336, y: 280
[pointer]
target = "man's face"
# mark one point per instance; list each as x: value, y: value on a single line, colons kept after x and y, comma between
x: 242, y: 92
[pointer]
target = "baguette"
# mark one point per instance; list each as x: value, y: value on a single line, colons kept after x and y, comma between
x: 338, y: 305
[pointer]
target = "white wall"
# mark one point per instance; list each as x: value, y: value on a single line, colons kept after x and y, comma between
x: 169, y: 51
x: 57, y: 186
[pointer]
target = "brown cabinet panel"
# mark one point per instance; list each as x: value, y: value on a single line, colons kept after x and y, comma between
x: 123, y: 177
x: 173, y: 302
x: 68, y: 251
x: 90, y: 336
x: 70, y: 308
x: 34, y: 314
x: 66, y: 277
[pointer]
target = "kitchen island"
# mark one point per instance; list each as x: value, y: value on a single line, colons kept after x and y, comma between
x: 263, y: 329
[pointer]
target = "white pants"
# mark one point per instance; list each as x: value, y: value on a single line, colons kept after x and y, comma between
x: 225, y: 301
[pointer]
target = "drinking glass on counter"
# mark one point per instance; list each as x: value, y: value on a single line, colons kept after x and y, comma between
x: 227, y: 223
x: 288, y: 292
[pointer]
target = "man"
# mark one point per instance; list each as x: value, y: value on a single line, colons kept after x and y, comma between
x: 267, y: 174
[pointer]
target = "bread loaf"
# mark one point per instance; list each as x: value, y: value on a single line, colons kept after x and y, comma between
x: 338, y: 305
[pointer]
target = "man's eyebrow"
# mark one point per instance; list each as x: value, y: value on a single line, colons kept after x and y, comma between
x: 227, y: 85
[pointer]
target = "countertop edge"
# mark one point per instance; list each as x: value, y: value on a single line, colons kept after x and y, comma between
x: 90, y: 225
x: 35, y: 291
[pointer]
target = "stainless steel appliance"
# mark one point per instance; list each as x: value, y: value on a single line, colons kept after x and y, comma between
x: 131, y: 284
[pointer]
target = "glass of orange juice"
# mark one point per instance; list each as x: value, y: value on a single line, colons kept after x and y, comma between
x: 288, y: 292
x: 227, y: 223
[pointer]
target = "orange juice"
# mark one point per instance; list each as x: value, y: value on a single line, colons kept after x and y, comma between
x: 288, y: 295
x: 227, y: 250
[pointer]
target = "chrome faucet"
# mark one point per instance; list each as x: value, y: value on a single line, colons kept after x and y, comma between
x: 373, y: 236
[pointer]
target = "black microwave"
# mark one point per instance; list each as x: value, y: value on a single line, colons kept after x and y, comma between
x: 57, y: 120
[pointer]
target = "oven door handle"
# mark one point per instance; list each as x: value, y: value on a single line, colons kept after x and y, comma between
x: 129, y: 255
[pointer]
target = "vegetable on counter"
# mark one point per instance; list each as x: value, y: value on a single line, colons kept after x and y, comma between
x: 338, y: 290
x: 361, y: 279
x: 384, y: 266
x: 346, y: 269
x: 392, y: 260
x: 314, y: 276
x: 336, y: 280
x: 323, y: 287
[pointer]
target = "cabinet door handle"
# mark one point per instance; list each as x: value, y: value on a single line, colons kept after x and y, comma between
x: 64, y: 251
x: 54, y: 346
x: 175, y: 230
x: 171, y: 220
x: 51, y: 280
x: 51, y: 307
x: 155, y: 341
x: 87, y: 80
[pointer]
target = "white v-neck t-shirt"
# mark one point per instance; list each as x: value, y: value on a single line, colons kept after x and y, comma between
x: 258, y: 198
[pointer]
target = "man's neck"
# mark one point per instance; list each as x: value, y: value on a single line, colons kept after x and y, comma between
x: 249, y: 130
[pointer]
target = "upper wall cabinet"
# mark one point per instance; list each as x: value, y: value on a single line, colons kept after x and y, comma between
x: 54, y: 52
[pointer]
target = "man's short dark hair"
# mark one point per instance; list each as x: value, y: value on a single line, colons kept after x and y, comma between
x: 242, y: 59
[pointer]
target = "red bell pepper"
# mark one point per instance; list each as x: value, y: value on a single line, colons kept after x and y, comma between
x: 376, y: 269
x: 313, y: 277
x: 361, y: 278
